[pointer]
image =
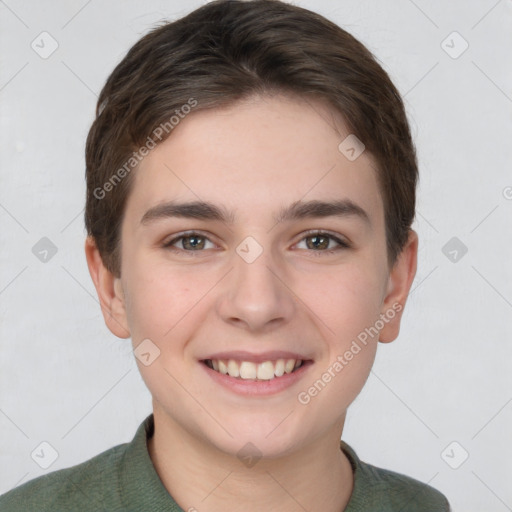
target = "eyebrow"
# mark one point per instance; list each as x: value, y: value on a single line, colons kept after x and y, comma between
x: 203, y: 210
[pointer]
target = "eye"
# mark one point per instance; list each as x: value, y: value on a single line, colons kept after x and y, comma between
x: 321, y: 242
x: 188, y: 243
x: 316, y: 241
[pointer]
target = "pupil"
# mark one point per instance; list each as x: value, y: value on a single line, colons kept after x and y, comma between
x: 316, y: 244
x: 193, y: 241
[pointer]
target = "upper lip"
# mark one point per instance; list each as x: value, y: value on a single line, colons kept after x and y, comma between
x: 241, y: 355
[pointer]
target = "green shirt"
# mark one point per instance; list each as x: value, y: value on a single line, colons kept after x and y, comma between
x: 123, y: 479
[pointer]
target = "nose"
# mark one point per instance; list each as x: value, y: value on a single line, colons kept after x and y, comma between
x: 258, y: 295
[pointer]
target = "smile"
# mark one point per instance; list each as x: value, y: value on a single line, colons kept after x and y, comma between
x: 248, y: 370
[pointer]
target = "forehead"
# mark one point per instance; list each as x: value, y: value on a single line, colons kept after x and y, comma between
x: 254, y: 155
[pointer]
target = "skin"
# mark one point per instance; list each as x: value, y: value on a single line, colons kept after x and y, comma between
x: 254, y: 157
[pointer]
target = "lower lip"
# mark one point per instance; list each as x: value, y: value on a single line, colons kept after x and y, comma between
x: 251, y: 387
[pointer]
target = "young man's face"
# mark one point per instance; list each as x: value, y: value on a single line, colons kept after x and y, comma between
x: 255, y: 288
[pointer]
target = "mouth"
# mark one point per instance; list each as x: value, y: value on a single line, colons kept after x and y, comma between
x: 252, y: 371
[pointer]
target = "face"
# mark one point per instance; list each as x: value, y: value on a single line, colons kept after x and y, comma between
x: 278, y: 278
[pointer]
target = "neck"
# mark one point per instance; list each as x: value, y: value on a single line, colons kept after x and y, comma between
x: 318, y: 476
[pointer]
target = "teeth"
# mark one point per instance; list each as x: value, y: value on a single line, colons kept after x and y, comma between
x: 223, y: 368
x: 233, y: 369
x: 267, y: 370
x: 279, y: 370
x: 247, y: 370
x: 289, y: 366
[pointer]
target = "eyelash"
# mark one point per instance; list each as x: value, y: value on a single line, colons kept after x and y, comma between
x: 190, y: 234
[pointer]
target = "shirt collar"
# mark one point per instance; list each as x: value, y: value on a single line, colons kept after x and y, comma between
x: 361, y: 488
x: 141, y: 487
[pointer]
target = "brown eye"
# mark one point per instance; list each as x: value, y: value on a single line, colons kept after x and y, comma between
x: 324, y: 242
x: 193, y: 242
x: 317, y: 242
x: 189, y: 242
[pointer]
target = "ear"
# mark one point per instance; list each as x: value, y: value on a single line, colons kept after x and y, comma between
x: 399, y: 283
x: 109, y: 290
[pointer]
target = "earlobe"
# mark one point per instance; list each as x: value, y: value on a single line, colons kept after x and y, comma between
x: 399, y: 284
x: 109, y: 290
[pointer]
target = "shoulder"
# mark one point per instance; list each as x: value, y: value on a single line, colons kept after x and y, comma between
x: 89, y: 485
x: 382, y: 489
x: 401, y: 492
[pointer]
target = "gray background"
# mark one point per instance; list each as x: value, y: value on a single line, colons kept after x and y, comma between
x: 66, y: 380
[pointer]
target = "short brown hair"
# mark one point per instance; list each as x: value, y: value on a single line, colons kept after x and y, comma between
x: 226, y: 51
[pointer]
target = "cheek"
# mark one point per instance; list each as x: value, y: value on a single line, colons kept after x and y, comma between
x: 348, y: 306
x: 157, y: 301
x: 348, y: 302
x: 345, y: 299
